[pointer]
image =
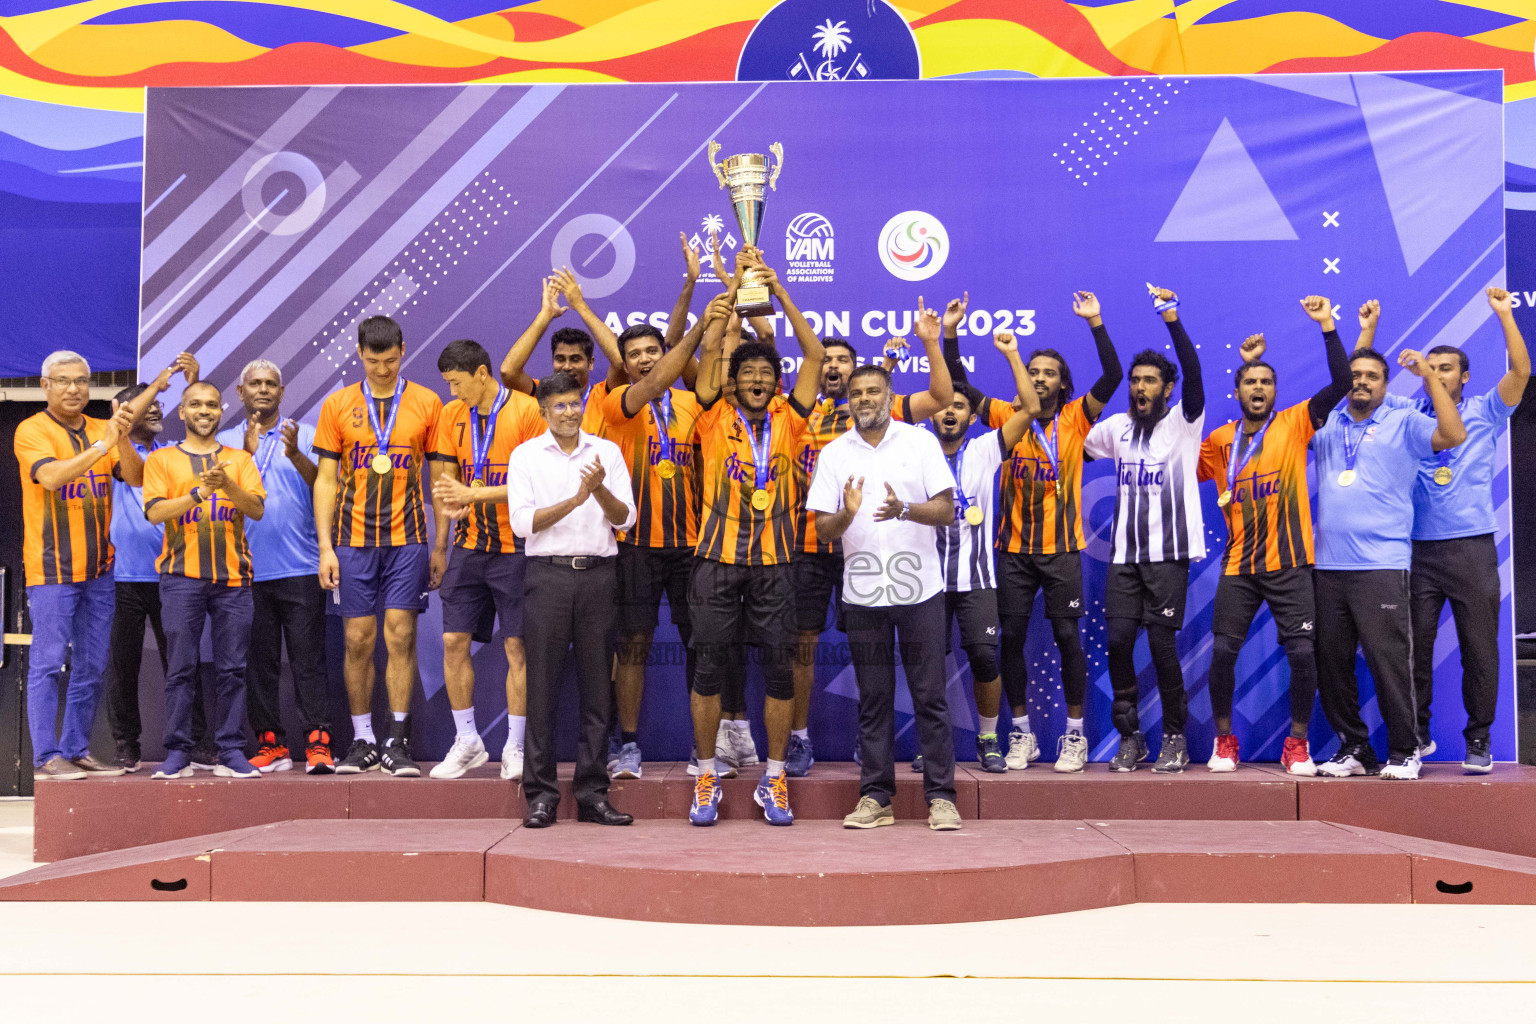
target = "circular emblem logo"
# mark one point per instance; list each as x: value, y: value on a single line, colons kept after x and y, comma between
x: 914, y: 245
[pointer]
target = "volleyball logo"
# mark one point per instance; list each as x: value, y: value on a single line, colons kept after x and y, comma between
x: 914, y: 245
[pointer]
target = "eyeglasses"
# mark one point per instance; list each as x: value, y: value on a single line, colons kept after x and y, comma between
x: 564, y: 408
x: 71, y: 382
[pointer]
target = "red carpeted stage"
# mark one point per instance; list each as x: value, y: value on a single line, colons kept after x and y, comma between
x: 1034, y: 842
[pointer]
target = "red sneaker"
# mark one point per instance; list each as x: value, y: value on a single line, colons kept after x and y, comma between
x: 1224, y: 757
x: 317, y: 753
x: 1296, y: 758
x: 271, y: 756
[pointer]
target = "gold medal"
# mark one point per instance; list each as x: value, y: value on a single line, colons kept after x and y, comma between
x: 1346, y: 478
x: 477, y: 482
x: 1443, y: 475
x: 666, y: 469
x: 974, y: 515
x: 1224, y: 499
x: 381, y: 464
x: 761, y: 500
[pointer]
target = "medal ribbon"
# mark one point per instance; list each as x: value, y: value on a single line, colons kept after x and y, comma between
x: 1238, y: 461
x: 955, y: 463
x: 1051, y: 443
x: 1352, y: 443
x: 266, y: 451
x: 480, y: 441
x: 760, y: 453
x: 381, y: 435
x: 662, y: 411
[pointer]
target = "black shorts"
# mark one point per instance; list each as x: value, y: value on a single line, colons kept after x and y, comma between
x: 1288, y: 591
x: 729, y: 602
x: 1152, y: 592
x: 977, y: 612
x: 1060, y: 576
x: 818, y: 582
x: 644, y: 575
x: 480, y: 590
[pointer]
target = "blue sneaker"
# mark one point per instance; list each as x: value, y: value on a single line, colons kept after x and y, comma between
x: 627, y: 764
x: 613, y: 752
x: 233, y: 765
x: 798, y: 759
x: 772, y: 795
x: 1478, y: 760
x: 177, y: 765
x: 917, y: 763
x: 707, y: 795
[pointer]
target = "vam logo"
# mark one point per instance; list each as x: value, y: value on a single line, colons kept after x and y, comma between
x: 808, y: 237
x: 914, y: 245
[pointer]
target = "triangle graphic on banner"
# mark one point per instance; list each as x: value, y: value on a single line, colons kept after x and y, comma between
x: 1226, y: 199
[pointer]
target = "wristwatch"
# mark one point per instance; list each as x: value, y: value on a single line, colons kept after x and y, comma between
x: 195, y: 492
x: 905, y: 509
x: 100, y: 446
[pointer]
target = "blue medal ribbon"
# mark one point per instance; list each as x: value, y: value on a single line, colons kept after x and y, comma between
x: 382, y: 434
x: 480, y: 439
x: 266, y: 451
x: 1238, y: 461
x: 760, y: 452
x: 1051, y: 443
x: 956, y: 462
x: 1352, y: 443
x: 662, y: 410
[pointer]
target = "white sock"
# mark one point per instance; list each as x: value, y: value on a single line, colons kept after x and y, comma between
x: 400, y: 716
x: 517, y: 725
x: 1021, y: 723
x: 804, y: 734
x: 464, y: 722
x: 775, y: 768
x: 741, y: 725
x: 362, y: 728
x: 706, y: 766
x: 1075, y: 725
x: 988, y: 726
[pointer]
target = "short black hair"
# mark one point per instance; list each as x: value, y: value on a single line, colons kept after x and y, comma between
x: 129, y: 393
x: 379, y: 334
x: 561, y: 383
x: 572, y: 336
x: 463, y: 356
x: 1448, y: 350
x: 1254, y: 364
x: 1158, y: 361
x: 972, y: 395
x: 1066, y: 371
x: 867, y: 369
x: 1374, y: 356
x: 756, y: 350
x: 203, y: 384
x: 639, y: 331
x: 842, y: 342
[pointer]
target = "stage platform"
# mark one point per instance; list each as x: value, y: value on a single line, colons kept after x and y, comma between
x: 815, y: 873
x: 1494, y: 812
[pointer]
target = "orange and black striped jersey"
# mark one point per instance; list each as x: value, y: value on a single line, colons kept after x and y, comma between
x: 732, y: 530
x: 206, y: 542
x: 66, y: 532
x: 1269, y: 519
x: 373, y: 509
x: 663, y: 466
x: 487, y: 527
x: 1034, y: 516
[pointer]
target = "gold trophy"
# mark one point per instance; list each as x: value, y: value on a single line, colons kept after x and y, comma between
x: 746, y: 174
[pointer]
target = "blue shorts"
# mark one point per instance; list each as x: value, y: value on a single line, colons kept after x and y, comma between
x: 373, y: 579
x: 480, y: 590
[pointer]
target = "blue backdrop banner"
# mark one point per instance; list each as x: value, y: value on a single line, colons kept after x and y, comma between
x: 277, y: 218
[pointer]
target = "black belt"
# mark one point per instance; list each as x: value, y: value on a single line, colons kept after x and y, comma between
x: 573, y: 561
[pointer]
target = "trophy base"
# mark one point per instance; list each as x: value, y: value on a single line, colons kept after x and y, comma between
x: 753, y: 300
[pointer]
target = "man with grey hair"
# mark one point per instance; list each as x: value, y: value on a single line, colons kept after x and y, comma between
x: 68, y: 461
x: 288, y: 603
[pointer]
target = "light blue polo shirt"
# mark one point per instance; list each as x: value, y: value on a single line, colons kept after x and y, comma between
x: 1463, y: 507
x: 1367, y: 525
x: 283, y: 541
x: 136, y: 541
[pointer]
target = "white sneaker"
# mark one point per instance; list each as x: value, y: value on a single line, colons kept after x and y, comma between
x: 1342, y: 765
x: 725, y: 745
x: 1424, y: 751
x: 1401, y: 768
x: 1022, y: 749
x: 744, y: 747
x: 1071, y: 752
x: 467, y: 752
x: 512, y: 762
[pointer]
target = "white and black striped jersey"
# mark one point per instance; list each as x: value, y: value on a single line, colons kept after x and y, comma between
x: 1157, y: 489
x: 965, y: 551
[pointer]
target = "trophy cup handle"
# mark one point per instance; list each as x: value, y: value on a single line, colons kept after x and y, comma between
x: 773, y: 178
x: 714, y: 149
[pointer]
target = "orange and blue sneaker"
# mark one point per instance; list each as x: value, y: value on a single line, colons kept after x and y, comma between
x: 706, y: 799
x: 772, y: 795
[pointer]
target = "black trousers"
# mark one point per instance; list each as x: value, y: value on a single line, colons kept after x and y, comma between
x: 291, y: 609
x: 1464, y: 571
x: 874, y: 635
x: 1366, y: 609
x: 568, y: 610
x: 138, y: 603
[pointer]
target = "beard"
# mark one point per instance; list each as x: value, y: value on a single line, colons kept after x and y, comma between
x: 1156, y: 409
x: 866, y: 418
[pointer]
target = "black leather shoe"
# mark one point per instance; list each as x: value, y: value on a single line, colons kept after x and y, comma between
x: 601, y: 814
x: 540, y: 816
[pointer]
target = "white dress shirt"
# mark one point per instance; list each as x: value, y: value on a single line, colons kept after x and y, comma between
x: 895, y: 562
x: 540, y: 474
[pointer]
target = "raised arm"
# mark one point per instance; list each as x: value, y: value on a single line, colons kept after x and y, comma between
x: 711, y: 363
x: 954, y: 316
x: 809, y: 376
x: 606, y: 340
x: 1029, y: 398
x: 666, y: 371
x: 1321, y: 404
x: 1449, y: 430
x: 1111, y: 373
x: 1193, y: 399
x: 512, y: 374
x: 1512, y: 384
x: 1370, y: 314
x: 941, y: 388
